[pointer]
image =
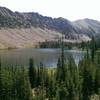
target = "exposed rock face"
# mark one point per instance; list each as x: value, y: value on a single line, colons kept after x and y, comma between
x: 27, y: 29
x: 88, y: 26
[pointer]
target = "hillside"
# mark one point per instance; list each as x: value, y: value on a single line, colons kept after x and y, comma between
x: 29, y: 37
x: 18, y: 30
x: 88, y: 26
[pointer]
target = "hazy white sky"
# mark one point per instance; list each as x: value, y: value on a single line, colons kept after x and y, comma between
x: 70, y: 9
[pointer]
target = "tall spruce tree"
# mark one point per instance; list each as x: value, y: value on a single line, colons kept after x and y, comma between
x: 93, y: 48
x: 87, y: 84
x: 24, y: 88
x: 61, y: 70
x: 61, y: 92
x: 32, y: 72
x: 97, y: 81
x: 51, y: 89
x: 0, y: 81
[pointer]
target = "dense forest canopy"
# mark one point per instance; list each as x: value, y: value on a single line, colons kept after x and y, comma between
x: 66, y: 82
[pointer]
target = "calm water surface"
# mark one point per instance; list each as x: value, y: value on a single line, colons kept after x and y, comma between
x: 48, y: 57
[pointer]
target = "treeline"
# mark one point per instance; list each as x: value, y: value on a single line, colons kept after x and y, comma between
x: 82, y: 45
x: 68, y: 45
x: 57, y: 44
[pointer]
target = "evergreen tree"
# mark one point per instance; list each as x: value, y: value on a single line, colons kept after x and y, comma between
x: 97, y: 81
x: 0, y: 81
x: 61, y: 68
x: 51, y: 89
x: 38, y: 77
x: 62, y: 92
x: 73, y: 82
x: 83, y: 45
x: 32, y: 73
x: 14, y: 81
x: 24, y: 87
x: 93, y: 48
x: 59, y: 71
x: 87, y: 84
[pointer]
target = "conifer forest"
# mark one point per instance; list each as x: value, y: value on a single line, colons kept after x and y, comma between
x: 68, y: 81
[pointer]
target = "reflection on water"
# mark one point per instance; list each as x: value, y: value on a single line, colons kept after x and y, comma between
x: 48, y: 57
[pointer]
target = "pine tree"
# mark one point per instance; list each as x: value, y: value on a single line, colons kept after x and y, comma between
x: 24, y: 87
x: 61, y: 68
x: 87, y: 84
x: 63, y: 60
x: 51, y: 89
x: 93, y: 48
x: 14, y: 81
x: 59, y: 71
x: 72, y: 79
x: 0, y: 81
x: 38, y: 77
x: 32, y: 73
x: 62, y: 92
x: 57, y: 95
x: 83, y: 45
x: 97, y: 81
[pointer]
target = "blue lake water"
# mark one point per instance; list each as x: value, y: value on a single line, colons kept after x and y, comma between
x: 48, y: 57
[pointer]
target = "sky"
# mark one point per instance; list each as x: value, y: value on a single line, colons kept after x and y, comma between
x: 69, y: 9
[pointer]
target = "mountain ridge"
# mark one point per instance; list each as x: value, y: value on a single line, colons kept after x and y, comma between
x: 34, y: 19
x: 77, y: 31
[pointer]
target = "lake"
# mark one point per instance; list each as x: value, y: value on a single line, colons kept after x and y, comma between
x: 48, y: 57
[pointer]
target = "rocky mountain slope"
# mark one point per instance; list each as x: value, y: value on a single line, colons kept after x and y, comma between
x: 19, y: 30
x: 89, y: 27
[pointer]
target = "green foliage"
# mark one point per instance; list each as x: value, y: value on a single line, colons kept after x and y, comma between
x: 93, y: 48
x: 66, y: 82
x: 31, y: 73
x: 15, y: 84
